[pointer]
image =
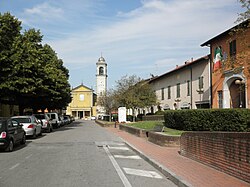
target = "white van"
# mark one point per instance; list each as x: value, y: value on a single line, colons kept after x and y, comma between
x: 56, y: 121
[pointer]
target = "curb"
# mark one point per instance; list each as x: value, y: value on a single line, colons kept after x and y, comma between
x: 166, y: 172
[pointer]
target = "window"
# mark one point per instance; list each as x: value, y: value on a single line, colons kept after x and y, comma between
x: 178, y: 90
x: 101, y: 72
x: 220, y: 99
x: 162, y: 94
x: 188, y: 88
x: 81, y: 97
x: 232, y: 46
x: 169, y: 92
x: 200, y: 82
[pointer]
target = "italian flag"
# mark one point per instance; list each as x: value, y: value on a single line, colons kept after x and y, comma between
x: 217, y: 58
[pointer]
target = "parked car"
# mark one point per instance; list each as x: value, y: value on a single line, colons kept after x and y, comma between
x: 71, y: 118
x: 11, y: 133
x: 31, y: 125
x: 56, y: 121
x: 63, y: 122
x: 66, y: 119
x: 46, y: 122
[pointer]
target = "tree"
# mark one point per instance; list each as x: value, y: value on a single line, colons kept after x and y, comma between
x: 33, y: 76
x: 241, y: 33
x: 108, y: 101
x: 10, y: 29
x: 244, y: 15
x: 133, y: 93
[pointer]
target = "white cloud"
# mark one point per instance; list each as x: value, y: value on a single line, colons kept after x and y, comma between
x: 45, y: 11
x: 159, y: 34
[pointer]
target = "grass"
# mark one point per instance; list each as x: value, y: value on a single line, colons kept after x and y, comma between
x: 149, y: 125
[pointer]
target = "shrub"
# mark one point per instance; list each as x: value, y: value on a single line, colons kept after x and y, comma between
x: 159, y: 112
x: 139, y: 117
x: 208, y: 120
x: 130, y: 118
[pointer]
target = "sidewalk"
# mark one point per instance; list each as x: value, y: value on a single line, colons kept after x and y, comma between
x: 181, y: 170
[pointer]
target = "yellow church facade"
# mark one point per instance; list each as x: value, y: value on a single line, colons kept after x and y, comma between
x: 83, y: 104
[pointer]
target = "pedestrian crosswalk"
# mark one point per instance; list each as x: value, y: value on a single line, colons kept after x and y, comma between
x: 143, y: 173
x: 128, y: 157
x: 119, y: 151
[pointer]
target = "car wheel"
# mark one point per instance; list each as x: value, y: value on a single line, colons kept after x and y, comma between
x: 24, y: 139
x: 40, y: 134
x: 34, y: 135
x: 10, y: 147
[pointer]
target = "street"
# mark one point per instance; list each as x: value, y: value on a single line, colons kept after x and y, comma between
x: 79, y: 154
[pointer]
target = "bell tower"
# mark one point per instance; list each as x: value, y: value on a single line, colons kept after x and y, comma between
x: 101, y: 77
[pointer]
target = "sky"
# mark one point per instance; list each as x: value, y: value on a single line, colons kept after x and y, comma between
x: 136, y: 37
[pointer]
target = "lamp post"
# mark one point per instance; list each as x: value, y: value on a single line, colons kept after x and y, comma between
x: 200, y: 91
x: 241, y: 83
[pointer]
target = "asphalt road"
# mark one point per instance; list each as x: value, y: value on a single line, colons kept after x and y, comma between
x: 81, y: 154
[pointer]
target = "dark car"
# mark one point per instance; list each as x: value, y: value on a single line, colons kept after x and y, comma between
x: 11, y: 133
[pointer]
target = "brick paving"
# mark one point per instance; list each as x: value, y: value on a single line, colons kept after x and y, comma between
x: 191, y: 172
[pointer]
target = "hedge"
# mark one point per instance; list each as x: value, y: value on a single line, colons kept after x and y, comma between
x: 234, y: 120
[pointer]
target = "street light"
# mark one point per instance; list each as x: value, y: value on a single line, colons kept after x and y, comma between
x: 200, y: 91
x: 241, y: 83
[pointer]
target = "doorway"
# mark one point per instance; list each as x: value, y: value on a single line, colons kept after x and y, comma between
x: 238, y: 94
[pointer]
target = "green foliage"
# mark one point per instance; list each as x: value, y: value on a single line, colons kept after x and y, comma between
x: 132, y: 92
x: 209, y: 120
x: 159, y: 112
x: 108, y: 101
x: 130, y: 118
x: 31, y: 73
x: 150, y: 125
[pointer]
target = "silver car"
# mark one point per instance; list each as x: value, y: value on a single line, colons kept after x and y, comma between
x: 45, y: 121
x: 31, y: 125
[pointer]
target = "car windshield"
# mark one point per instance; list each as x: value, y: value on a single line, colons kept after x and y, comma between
x: 53, y: 116
x: 40, y: 116
x: 23, y: 120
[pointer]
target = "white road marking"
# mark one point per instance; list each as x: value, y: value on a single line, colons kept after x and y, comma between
x: 143, y: 173
x: 119, y: 171
x: 104, y: 143
x: 27, y: 157
x: 13, y: 167
x: 128, y: 157
x: 119, y: 148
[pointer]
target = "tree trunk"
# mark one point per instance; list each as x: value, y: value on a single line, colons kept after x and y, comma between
x: 21, y: 108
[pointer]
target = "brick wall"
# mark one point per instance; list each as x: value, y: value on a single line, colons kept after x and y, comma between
x: 154, y: 137
x: 164, y: 139
x: 225, y: 151
x: 133, y: 130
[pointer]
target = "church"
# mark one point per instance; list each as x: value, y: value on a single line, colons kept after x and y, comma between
x: 84, y: 99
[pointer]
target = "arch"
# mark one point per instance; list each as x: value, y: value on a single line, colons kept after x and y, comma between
x: 234, y: 95
x: 185, y: 105
x: 101, y: 71
x: 166, y: 107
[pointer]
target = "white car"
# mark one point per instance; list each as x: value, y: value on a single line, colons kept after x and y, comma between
x: 56, y: 120
x: 45, y: 122
x: 31, y: 125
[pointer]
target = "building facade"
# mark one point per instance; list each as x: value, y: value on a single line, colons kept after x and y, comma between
x: 101, y: 76
x: 185, y: 87
x: 101, y: 83
x: 83, y: 103
x: 230, y: 54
